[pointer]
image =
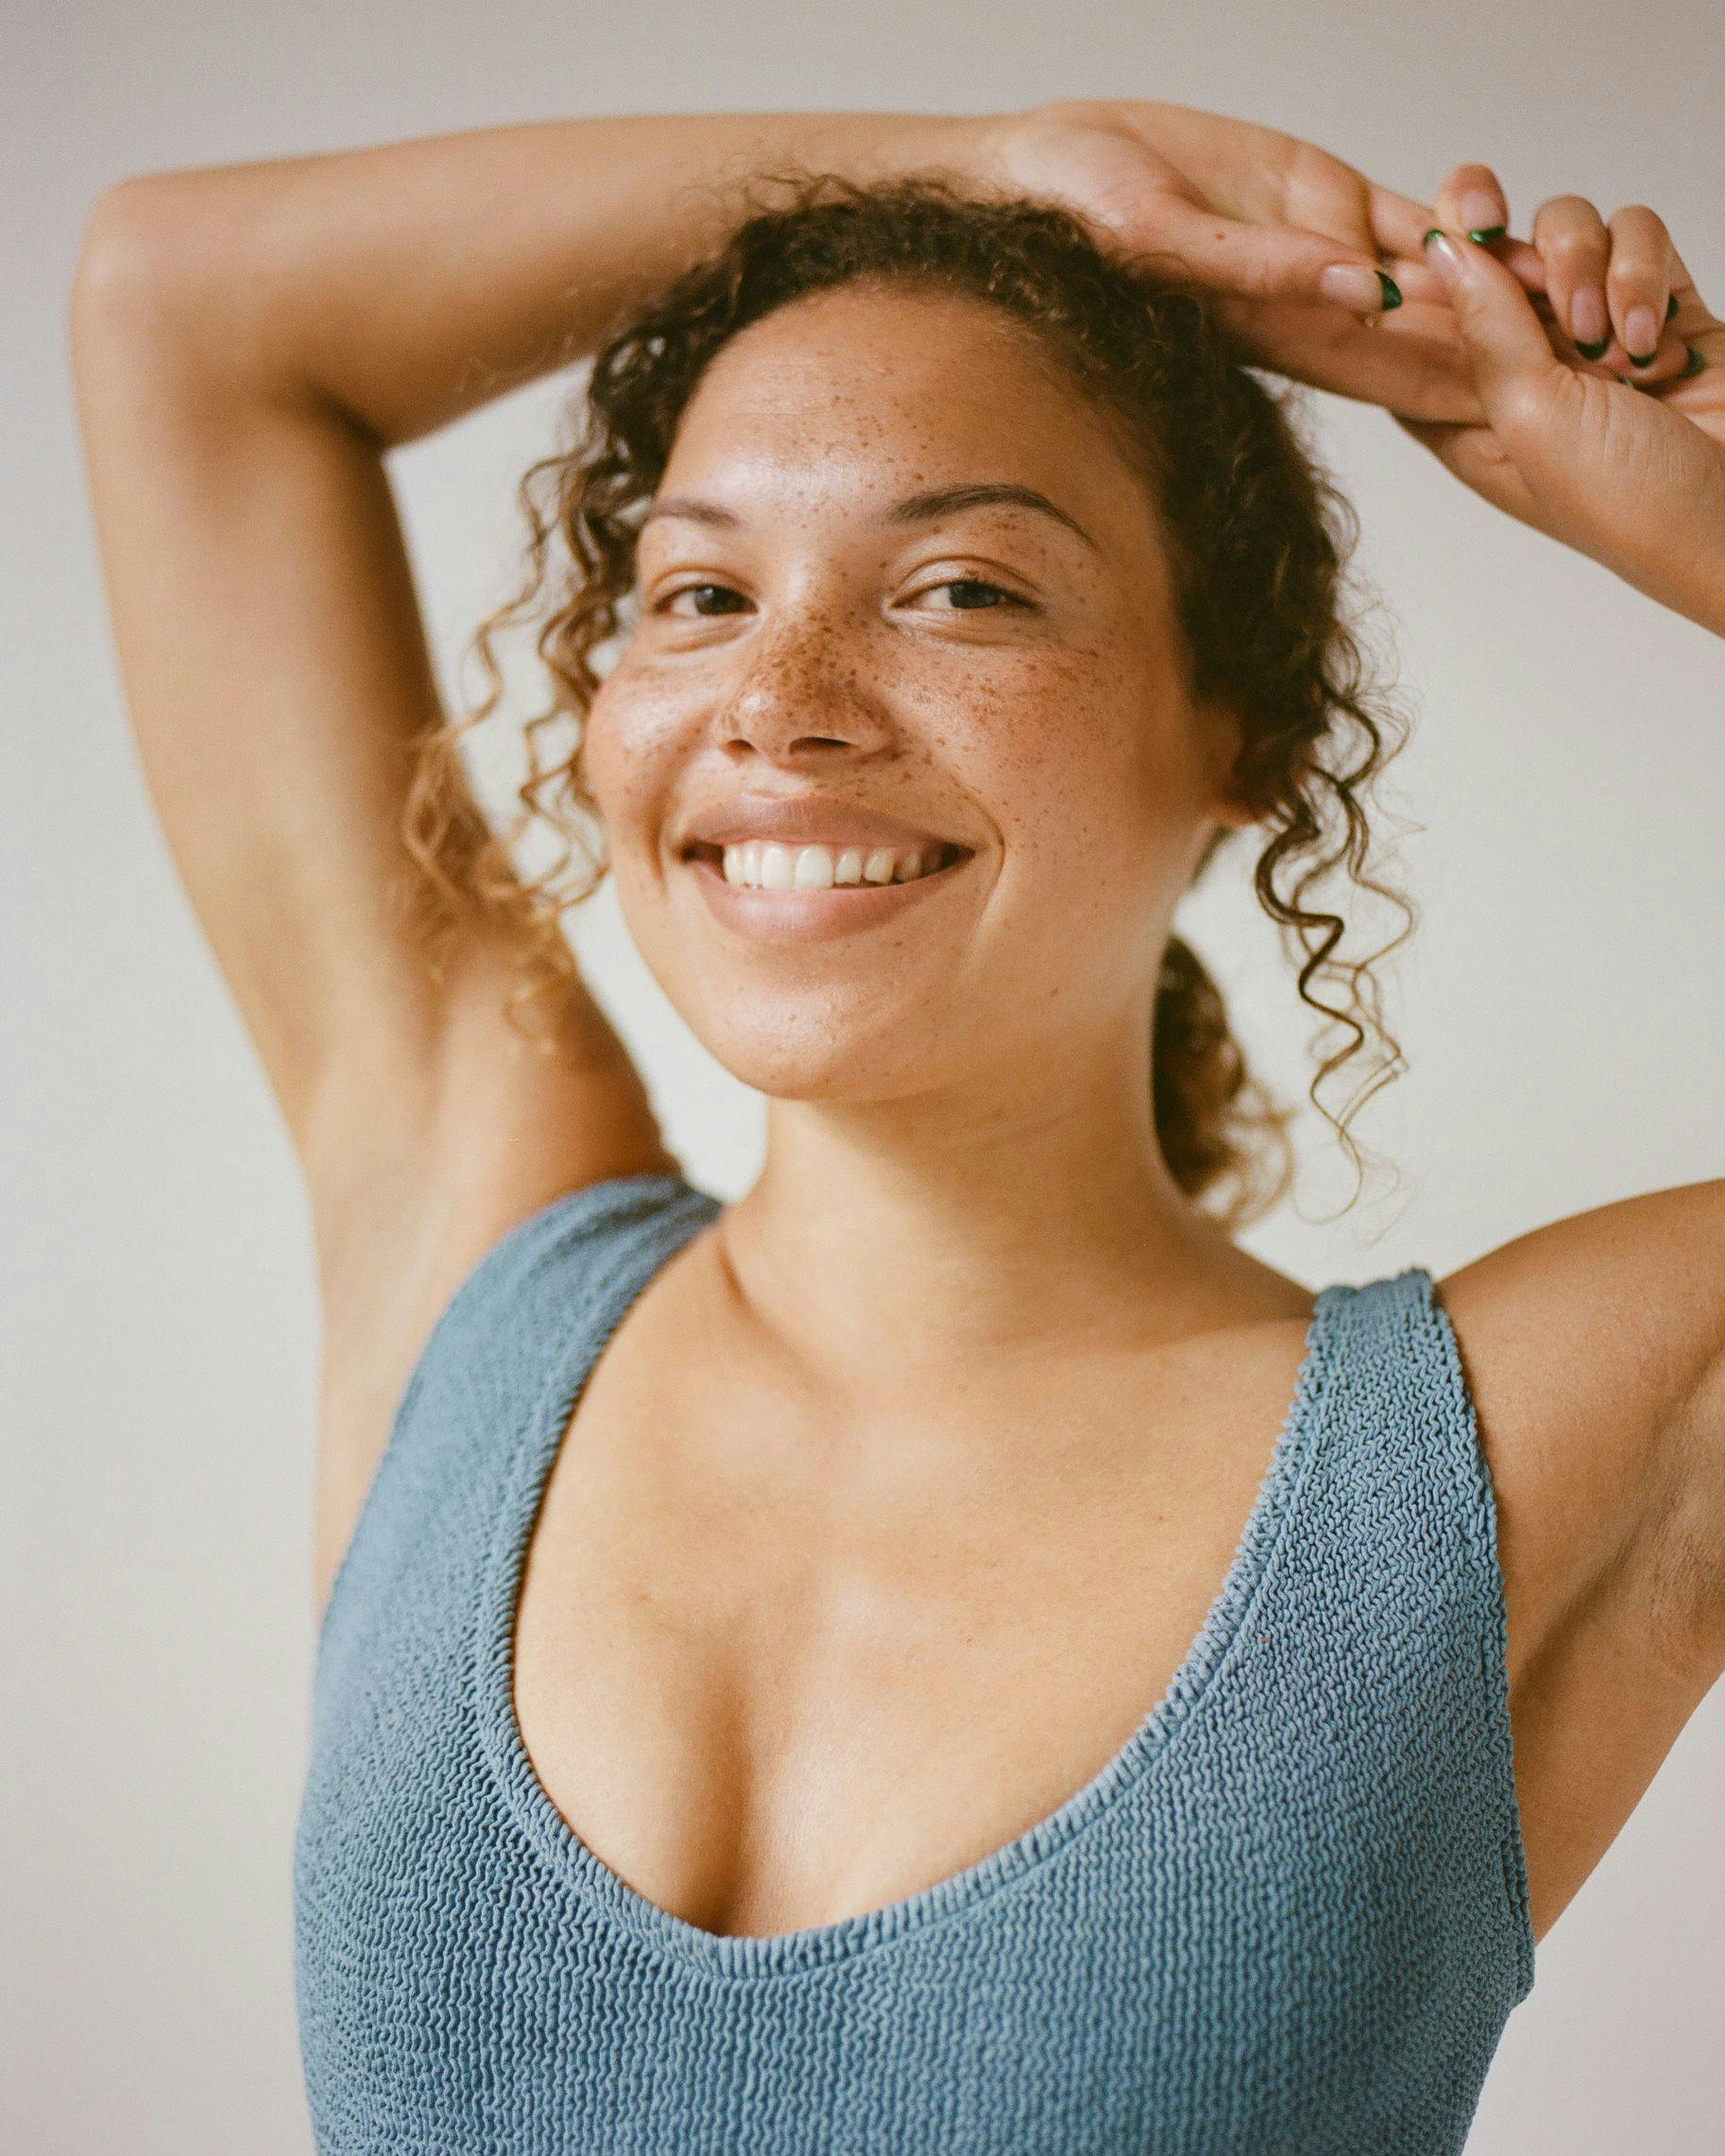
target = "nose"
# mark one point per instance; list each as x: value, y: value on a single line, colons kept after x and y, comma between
x: 800, y: 696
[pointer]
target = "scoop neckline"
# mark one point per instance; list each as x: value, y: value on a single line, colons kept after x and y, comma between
x: 642, y: 1255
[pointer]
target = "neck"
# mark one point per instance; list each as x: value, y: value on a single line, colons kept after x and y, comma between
x: 1029, y: 1216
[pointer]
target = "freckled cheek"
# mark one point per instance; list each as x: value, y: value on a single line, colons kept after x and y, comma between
x: 631, y: 750
x: 1080, y: 788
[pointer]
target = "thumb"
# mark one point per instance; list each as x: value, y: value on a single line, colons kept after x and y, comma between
x: 1506, y: 341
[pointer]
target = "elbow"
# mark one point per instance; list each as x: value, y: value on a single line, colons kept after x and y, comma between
x: 133, y: 259
x: 126, y: 252
x: 155, y: 266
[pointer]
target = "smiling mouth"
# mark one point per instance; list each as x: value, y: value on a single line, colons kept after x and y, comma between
x: 782, y: 912
x: 773, y: 868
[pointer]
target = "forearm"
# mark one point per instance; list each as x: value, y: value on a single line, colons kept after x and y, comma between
x: 408, y: 283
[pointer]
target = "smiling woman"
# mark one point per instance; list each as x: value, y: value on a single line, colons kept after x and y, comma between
x: 947, y: 1652
x: 1192, y: 616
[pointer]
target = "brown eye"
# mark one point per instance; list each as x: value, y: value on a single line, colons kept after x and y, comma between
x: 687, y: 590
x: 972, y: 585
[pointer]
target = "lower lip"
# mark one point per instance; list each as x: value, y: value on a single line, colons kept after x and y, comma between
x: 800, y: 916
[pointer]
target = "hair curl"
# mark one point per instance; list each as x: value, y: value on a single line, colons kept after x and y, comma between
x: 1258, y: 534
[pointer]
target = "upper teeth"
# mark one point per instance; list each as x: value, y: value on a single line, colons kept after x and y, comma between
x: 770, y: 867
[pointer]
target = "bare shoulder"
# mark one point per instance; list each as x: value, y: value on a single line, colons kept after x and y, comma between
x: 1595, y: 1351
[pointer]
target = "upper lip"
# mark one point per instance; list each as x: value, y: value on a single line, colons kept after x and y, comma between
x: 804, y: 819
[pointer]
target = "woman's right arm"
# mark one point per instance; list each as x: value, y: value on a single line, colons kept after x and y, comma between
x: 248, y: 342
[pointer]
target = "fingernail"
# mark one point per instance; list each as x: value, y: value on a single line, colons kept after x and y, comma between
x: 1672, y: 306
x: 1641, y: 337
x: 1590, y: 322
x: 1695, y: 363
x: 1356, y: 285
x: 1480, y: 217
x: 1392, y: 291
x: 1442, y: 250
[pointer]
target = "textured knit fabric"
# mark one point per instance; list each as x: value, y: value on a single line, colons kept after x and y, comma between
x: 1288, y: 1917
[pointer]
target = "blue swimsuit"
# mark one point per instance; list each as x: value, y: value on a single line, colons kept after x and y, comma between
x: 1288, y: 1917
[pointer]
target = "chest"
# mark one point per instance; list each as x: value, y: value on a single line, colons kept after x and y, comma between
x: 776, y: 1666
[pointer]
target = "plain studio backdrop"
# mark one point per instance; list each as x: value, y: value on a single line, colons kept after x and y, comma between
x: 1562, y: 1004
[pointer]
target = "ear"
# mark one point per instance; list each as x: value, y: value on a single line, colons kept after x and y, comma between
x: 1222, y: 738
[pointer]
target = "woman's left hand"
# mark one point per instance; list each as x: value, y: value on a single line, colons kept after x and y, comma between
x: 1624, y: 462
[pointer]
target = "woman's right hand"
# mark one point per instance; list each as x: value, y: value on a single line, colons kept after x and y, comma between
x: 1285, y: 240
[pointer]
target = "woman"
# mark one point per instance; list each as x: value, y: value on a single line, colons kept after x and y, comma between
x: 946, y: 1651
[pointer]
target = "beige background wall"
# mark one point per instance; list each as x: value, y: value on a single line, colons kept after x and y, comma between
x: 1563, y: 1004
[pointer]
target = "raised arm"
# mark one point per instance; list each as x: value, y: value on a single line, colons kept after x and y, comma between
x: 249, y: 343
x: 1595, y: 1345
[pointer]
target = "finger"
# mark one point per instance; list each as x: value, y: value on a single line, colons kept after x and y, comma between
x: 1686, y: 311
x: 1420, y: 281
x: 1700, y: 330
x: 1638, y: 284
x: 1472, y: 197
x: 1507, y: 343
x: 1524, y: 263
x: 1269, y: 262
x: 1564, y: 349
x: 1397, y: 222
x: 1471, y: 201
x: 1575, y: 243
x: 1412, y: 362
x: 1572, y: 239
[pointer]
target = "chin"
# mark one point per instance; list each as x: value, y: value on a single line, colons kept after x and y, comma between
x: 802, y: 1053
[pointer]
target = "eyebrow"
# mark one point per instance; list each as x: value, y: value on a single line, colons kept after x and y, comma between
x: 912, y: 509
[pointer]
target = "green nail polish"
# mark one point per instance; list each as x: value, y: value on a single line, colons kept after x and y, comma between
x: 1592, y: 350
x: 1695, y: 363
x: 1393, y: 295
x: 1643, y: 359
x: 1487, y: 233
x: 1431, y: 232
x: 1670, y: 306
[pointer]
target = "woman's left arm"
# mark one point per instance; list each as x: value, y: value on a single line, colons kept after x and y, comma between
x: 1596, y: 1344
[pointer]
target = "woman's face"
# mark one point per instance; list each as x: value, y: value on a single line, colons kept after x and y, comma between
x: 821, y: 638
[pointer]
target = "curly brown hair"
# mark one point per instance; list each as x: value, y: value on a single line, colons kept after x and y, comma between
x: 1258, y: 538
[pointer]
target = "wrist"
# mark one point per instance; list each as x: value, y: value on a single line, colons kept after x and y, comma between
x: 898, y: 144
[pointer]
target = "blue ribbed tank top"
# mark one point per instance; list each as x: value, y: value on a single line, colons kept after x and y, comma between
x: 1288, y: 1917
